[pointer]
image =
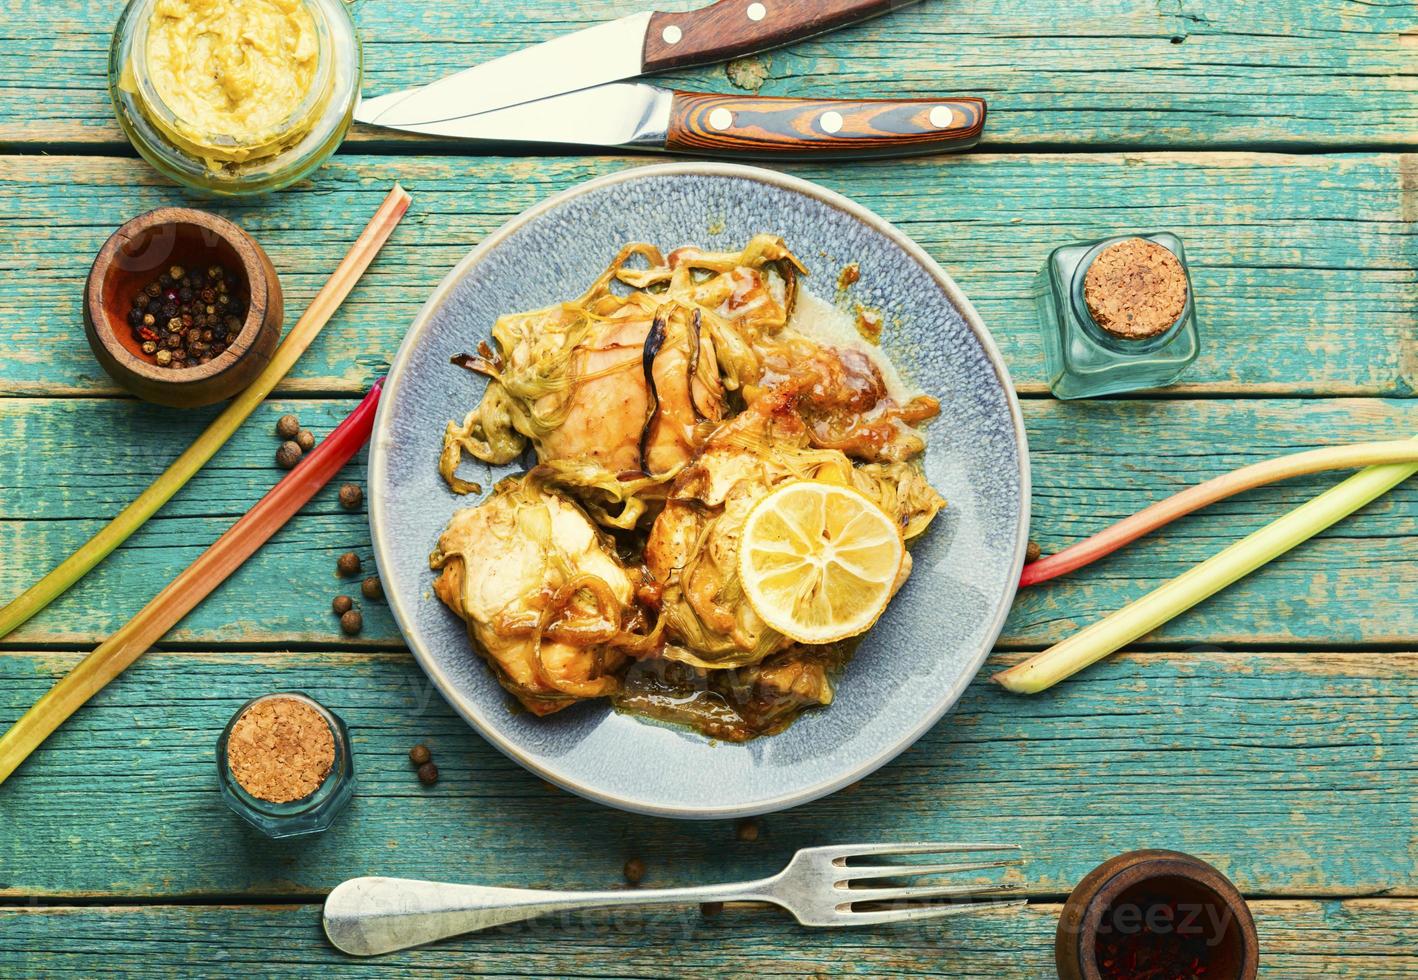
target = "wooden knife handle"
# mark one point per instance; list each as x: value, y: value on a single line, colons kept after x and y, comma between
x: 732, y: 125
x: 733, y: 28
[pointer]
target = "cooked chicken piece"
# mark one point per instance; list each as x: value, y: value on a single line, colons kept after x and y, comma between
x: 694, y: 542
x: 843, y: 399
x: 601, y: 413
x: 577, y: 379
x: 541, y: 591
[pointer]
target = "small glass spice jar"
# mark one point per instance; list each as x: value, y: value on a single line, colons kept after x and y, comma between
x: 284, y: 765
x: 1117, y: 315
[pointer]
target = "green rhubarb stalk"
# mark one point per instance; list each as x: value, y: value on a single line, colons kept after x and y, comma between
x: 1191, y: 587
x: 1163, y: 512
x: 175, y: 477
x: 114, y: 655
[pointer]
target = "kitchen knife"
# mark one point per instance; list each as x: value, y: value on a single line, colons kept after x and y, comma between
x: 636, y: 114
x: 636, y: 45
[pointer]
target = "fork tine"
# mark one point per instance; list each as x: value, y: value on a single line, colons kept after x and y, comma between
x: 844, y: 851
x: 919, y: 912
x: 853, y: 873
x: 851, y: 896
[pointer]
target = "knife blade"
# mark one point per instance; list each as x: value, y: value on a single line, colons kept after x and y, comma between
x: 637, y: 114
x: 626, y: 48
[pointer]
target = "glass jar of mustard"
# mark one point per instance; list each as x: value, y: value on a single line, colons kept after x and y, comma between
x: 235, y: 96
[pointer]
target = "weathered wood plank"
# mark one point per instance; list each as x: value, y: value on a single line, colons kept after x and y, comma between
x: 75, y: 462
x: 1292, y: 771
x: 1316, y: 72
x: 1361, y: 939
x: 1305, y: 267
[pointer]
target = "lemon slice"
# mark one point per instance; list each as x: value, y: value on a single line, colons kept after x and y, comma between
x: 818, y: 561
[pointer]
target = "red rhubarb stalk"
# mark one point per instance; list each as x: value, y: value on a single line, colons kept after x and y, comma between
x: 198, y: 581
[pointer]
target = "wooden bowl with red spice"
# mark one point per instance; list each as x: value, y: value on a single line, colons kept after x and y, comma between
x: 1150, y: 914
x: 137, y: 256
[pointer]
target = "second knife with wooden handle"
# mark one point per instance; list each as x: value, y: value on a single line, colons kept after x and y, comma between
x: 635, y: 114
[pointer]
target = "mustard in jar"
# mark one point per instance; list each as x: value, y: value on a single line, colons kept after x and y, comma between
x: 235, y: 95
x: 233, y: 72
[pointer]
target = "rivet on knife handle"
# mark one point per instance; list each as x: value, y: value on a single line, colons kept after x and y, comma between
x: 733, y: 28
x: 776, y: 127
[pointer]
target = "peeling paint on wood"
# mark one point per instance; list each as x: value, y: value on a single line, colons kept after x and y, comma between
x: 1306, y: 277
x: 1324, y: 73
x: 1358, y: 939
x: 1213, y: 753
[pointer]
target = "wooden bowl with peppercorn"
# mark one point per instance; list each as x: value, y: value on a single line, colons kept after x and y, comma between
x: 182, y: 307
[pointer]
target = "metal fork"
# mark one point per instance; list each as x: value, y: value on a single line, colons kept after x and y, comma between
x: 369, y: 916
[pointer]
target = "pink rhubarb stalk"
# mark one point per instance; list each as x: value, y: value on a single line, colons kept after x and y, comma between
x: 200, y: 579
x: 1163, y: 512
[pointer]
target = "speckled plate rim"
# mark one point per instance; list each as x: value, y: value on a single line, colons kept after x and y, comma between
x: 377, y: 477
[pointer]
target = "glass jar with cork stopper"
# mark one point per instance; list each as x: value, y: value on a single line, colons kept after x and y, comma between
x: 1117, y: 315
x: 284, y: 765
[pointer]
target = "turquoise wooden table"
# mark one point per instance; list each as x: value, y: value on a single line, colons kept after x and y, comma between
x: 1270, y: 730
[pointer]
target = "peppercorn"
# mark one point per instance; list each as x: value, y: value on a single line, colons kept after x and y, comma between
x: 172, y: 304
x: 634, y: 871
x: 342, y: 604
x: 1033, y: 551
x: 163, y: 357
x: 372, y: 588
x: 748, y: 830
x: 348, y: 564
x: 305, y: 439
x: 710, y: 909
x: 150, y: 347
x: 287, y: 426
x: 351, y: 496
x: 351, y: 622
x: 428, y: 774
x: 288, y: 455
x: 419, y: 754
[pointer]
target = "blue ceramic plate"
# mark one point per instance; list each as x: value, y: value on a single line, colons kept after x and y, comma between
x: 927, y: 647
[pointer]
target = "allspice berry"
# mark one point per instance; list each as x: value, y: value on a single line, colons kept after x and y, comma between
x: 1033, y: 551
x: 287, y: 426
x: 634, y: 871
x: 351, y: 496
x: 348, y: 564
x: 371, y: 588
x: 342, y: 605
x: 710, y: 909
x: 428, y: 774
x: 288, y: 455
x: 305, y: 439
x: 351, y: 622
x: 420, y: 754
x: 748, y: 830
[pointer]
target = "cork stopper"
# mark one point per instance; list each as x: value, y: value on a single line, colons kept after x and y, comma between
x: 1135, y: 289
x: 280, y: 750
